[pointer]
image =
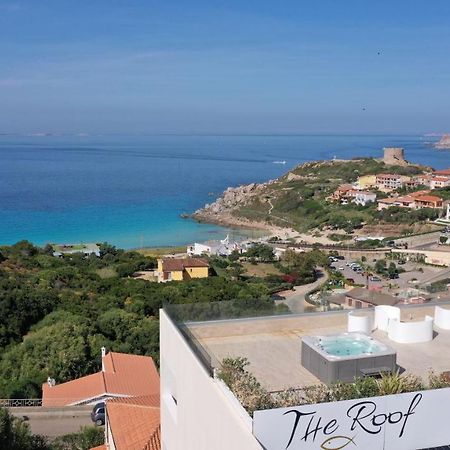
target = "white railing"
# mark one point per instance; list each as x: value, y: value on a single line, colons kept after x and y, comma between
x: 20, y: 402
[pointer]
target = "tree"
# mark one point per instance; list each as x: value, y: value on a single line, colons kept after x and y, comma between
x: 262, y: 252
x: 85, y: 439
x: 380, y: 266
x: 15, y: 434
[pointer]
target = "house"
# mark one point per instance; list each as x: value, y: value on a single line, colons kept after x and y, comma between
x: 405, y: 201
x: 223, y: 247
x: 438, y: 182
x: 429, y: 201
x: 444, y: 172
x: 178, y: 269
x: 343, y: 193
x: 422, y: 180
x: 366, y: 181
x: 365, y: 298
x: 364, y: 197
x: 388, y: 182
x: 415, y: 200
x: 122, y: 375
x: 133, y: 423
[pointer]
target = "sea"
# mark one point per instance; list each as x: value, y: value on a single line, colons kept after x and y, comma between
x: 131, y: 191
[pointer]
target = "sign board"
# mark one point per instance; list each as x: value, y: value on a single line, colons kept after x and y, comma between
x: 415, y: 420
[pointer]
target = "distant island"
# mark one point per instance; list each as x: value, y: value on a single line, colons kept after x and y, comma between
x: 444, y: 143
x: 338, y: 200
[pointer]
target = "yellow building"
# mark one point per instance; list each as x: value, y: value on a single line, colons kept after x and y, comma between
x: 179, y: 269
x: 366, y: 181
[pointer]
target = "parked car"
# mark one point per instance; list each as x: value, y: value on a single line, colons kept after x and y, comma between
x: 340, y: 257
x: 393, y: 275
x: 401, y: 262
x: 350, y: 280
x: 375, y: 279
x: 98, y: 414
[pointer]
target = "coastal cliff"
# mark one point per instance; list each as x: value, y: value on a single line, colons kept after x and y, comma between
x: 444, y: 143
x: 298, y: 200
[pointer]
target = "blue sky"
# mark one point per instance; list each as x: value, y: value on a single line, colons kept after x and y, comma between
x: 253, y: 66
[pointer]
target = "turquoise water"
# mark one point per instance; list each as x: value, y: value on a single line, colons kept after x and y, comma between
x: 131, y: 190
x: 349, y: 346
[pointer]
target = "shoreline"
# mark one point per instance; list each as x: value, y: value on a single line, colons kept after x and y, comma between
x: 227, y: 220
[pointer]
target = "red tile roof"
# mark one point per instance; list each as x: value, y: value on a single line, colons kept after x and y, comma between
x: 135, y: 422
x: 429, y: 198
x: 442, y: 172
x: 388, y: 175
x: 179, y: 264
x: 123, y: 375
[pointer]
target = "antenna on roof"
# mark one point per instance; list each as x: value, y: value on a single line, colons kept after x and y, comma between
x: 51, y: 381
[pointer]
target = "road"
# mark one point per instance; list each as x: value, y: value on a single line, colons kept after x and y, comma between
x: 296, y: 300
x: 54, y: 422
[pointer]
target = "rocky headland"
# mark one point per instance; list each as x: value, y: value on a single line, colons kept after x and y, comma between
x: 444, y: 143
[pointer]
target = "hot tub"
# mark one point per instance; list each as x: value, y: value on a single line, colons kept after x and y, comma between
x: 346, y: 356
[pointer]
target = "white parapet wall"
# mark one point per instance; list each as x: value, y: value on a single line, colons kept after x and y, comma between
x: 197, y: 411
x: 442, y: 317
x: 383, y: 314
x: 359, y: 322
x: 411, y: 332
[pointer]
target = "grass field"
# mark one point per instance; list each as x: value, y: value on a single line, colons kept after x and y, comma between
x: 160, y: 251
x: 260, y: 270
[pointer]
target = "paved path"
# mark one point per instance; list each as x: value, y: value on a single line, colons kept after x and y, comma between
x: 296, y: 301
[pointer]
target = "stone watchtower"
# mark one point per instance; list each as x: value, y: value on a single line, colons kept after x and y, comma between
x: 394, y: 156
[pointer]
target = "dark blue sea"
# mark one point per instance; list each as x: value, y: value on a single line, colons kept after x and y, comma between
x: 131, y: 190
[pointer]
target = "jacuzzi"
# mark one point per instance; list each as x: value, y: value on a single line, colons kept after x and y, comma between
x: 346, y: 356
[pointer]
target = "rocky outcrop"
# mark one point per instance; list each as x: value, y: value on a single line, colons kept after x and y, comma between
x: 232, y: 198
x: 444, y: 143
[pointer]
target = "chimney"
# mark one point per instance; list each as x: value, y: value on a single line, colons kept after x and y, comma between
x: 103, y: 355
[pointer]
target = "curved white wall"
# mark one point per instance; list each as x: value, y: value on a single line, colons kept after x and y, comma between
x: 411, y: 332
x: 359, y: 323
x: 442, y: 317
x: 383, y: 314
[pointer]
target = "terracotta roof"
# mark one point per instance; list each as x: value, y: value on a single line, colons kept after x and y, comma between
x: 372, y: 297
x: 404, y: 199
x: 388, y: 175
x: 442, y: 172
x: 179, y: 264
x: 123, y: 375
x: 444, y: 179
x: 135, y: 422
x: 419, y: 193
x: 429, y: 198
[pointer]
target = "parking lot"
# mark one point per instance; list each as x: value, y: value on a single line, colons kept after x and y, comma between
x: 414, y: 274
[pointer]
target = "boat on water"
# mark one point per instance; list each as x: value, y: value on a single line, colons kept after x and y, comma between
x: 279, y: 162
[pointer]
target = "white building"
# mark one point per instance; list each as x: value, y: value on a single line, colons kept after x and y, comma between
x: 364, y: 197
x: 223, y: 247
x: 199, y: 412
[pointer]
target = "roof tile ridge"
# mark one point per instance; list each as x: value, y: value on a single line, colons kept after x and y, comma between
x: 104, y: 382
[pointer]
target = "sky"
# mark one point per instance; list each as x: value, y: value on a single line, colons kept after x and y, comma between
x: 224, y: 67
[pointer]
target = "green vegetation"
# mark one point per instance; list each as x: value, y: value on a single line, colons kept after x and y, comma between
x: 299, y: 198
x: 57, y: 313
x: 16, y: 435
x: 253, y: 396
x: 85, y: 439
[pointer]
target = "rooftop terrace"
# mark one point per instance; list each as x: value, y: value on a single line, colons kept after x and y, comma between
x: 272, y: 344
